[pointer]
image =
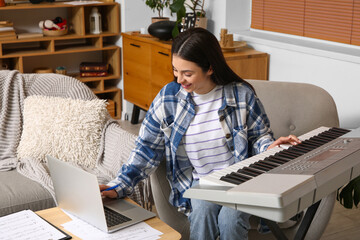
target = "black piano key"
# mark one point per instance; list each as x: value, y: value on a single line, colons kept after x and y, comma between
x: 340, y: 130
x: 274, y: 160
x: 286, y: 155
x: 319, y: 139
x: 262, y: 163
x: 271, y: 164
x: 281, y: 158
x: 295, y: 151
x: 333, y: 135
x: 306, y: 148
x: 299, y: 149
x: 257, y: 166
x: 248, y: 173
x: 317, y: 142
x: 311, y: 143
x: 236, y: 178
x: 241, y: 176
x: 326, y: 137
x: 253, y: 171
x: 230, y: 180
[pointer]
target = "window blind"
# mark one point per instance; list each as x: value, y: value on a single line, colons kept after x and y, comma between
x: 333, y: 20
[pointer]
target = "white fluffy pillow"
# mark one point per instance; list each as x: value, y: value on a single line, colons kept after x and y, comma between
x: 65, y: 128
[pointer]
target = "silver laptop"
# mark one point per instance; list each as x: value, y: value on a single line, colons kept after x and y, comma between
x: 77, y: 192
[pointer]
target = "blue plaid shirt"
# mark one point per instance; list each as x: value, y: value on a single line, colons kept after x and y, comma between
x: 243, y: 119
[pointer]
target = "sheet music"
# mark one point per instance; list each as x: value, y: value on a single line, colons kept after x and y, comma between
x: 26, y: 225
x: 83, y: 230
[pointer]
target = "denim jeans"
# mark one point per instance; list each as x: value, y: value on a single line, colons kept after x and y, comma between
x: 209, y: 220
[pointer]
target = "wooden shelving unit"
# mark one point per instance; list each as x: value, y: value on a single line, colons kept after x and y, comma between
x: 18, y: 53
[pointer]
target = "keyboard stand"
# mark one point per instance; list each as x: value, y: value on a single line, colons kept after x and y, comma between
x: 303, y: 228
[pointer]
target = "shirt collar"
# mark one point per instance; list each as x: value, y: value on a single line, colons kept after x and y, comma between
x: 229, y: 94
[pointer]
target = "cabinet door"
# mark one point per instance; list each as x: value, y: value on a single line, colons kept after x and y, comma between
x: 137, y: 72
x: 249, y: 64
x: 161, y: 68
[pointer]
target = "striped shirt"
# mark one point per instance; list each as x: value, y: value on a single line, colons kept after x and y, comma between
x: 242, y: 118
x: 204, y: 140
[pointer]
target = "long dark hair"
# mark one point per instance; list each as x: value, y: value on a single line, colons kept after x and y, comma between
x: 201, y: 47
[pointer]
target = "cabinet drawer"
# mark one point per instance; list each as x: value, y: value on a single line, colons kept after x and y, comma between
x: 136, y: 51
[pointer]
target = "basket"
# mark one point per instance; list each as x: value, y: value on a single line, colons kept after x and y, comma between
x: 54, y: 33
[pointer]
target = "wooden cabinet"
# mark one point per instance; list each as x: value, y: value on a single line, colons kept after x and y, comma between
x: 147, y: 67
x: 68, y: 50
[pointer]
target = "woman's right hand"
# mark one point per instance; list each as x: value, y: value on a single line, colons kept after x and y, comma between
x: 109, y: 194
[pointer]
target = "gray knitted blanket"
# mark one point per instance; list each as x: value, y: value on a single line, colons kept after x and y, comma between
x: 116, y: 143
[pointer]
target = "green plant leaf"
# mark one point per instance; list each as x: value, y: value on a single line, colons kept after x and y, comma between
x: 349, y: 195
x: 177, y: 5
x: 175, y: 31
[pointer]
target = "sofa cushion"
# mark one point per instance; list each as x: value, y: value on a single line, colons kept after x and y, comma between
x: 19, y: 193
x: 65, y: 128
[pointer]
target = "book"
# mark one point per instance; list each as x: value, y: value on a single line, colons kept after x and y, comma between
x: 6, y: 29
x: 3, y: 38
x: 29, y: 35
x: 7, y: 33
x: 6, y: 24
x: 93, y: 66
x: 93, y: 74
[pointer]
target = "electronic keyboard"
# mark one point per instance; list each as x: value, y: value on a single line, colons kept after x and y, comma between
x: 279, y: 183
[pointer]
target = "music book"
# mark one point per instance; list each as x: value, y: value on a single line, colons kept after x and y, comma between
x: 28, y: 225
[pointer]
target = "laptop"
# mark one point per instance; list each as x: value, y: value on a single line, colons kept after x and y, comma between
x: 77, y: 192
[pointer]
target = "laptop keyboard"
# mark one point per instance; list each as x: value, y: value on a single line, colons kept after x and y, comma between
x: 114, y: 218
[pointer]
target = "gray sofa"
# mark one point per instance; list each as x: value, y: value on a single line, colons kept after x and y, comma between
x: 18, y: 192
x: 293, y: 108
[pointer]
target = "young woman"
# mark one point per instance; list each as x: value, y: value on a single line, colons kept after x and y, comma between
x: 205, y: 120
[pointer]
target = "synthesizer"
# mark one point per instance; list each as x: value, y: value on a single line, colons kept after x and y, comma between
x: 279, y: 183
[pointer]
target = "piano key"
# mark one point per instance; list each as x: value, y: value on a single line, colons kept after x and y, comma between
x: 261, y: 164
x: 303, y: 147
x: 249, y: 170
x: 279, y: 158
x: 230, y: 180
x: 241, y: 176
x: 272, y: 164
x: 297, y: 152
x: 256, y: 166
x: 340, y: 130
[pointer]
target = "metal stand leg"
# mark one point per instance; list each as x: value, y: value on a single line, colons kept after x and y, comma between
x: 275, y: 229
x: 135, y: 115
x: 304, y: 226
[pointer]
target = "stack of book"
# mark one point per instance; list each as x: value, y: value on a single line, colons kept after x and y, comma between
x: 7, y: 31
x: 93, y: 69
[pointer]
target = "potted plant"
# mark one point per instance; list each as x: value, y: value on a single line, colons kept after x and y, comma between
x: 197, y: 7
x: 159, y: 6
x: 178, y: 7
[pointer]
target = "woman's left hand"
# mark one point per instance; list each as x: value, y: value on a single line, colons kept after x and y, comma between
x: 291, y: 139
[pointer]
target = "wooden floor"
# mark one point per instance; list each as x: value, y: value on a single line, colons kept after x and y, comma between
x: 344, y: 224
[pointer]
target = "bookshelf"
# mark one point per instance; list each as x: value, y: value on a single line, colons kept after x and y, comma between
x: 69, y: 50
